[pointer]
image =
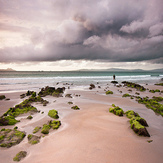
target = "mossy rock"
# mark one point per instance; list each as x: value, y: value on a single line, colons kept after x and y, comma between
x: 108, y: 92
x: 45, y: 129
x: 68, y: 95
x: 36, y: 129
x: 53, y: 114
x: 126, y: 95
x: 8, y: 120
x: 152, y: 104
x: 70, y: 103
x: 130, y: 114
x: 75, y: 107
x: 33, y: 139
x: 2, y: 97
x: 54, y: 124
x: 51, y: 91
x: 141, y: 120
x: 139, y: 129
x: 20, y: 155
x: 117, y: 111
x: 29, y: 117
x: 134, y: 85
x: 10, y: 137
x: 160, y: 84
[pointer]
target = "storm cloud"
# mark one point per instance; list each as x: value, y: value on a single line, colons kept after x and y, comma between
x: 107, y: 30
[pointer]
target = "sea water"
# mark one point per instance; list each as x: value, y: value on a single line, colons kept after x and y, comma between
x: 31, y: 80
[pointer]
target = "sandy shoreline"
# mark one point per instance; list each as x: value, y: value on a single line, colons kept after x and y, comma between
x: 91, y: 134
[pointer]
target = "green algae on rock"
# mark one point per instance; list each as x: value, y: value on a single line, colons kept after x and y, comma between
x: 134, y: 85
x: 75, y: 107
x: 20, y: 156
x: 9, y: 137
x: 36, y: 129
x: 109, y: 92
x: 53, y: 114
x: 51, y: 91
x: 130, y: 114
x: 116, y: 110
x: 54, y: 124
x: 33, y: 139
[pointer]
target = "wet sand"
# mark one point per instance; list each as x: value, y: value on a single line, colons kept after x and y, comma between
x: 91, y: 134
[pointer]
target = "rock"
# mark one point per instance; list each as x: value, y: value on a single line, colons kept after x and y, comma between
x: 91, y: 86
x: 33, y: 139
x: 141, y: 131
x: 20, y: 156
x: 68, y: 95
x: 2, y: 97
x: 10, y: 137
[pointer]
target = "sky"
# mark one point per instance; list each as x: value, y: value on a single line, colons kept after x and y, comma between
x: 60, y: 35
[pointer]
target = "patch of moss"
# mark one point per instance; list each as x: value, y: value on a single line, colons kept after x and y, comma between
x: 53, y: 114
x: 108, y: 92
x: 126, y: 95
x: 130, y: 114
x: 33, y: 139
x: 45, y: 129
x: 70, y: 103
x: 134, y: 85
x: 153, y: 91
x: 36, y: 129
x: 54, y: 124
x: 29, y: 117
x: 51, y: 91
x: 20, y: 156
x: 75, y: 107
x: 7, y: 120
x: 152, y: 104
x: 10, y: 137
x: 116, y: 110
x: 161, y: 84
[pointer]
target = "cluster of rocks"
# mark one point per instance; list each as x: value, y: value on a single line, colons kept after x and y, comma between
x: 51, y: 91
x: 138, y: 124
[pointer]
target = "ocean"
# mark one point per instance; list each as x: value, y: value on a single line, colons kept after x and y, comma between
x: 32, y: 80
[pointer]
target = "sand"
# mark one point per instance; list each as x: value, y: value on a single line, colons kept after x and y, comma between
x: 91, y: 134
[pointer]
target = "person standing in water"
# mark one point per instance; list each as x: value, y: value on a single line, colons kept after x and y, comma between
x: 113, y: 77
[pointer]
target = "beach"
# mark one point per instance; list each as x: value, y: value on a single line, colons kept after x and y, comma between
x: 91, y: 134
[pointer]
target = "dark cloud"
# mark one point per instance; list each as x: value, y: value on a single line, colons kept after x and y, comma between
x: 92, y: 30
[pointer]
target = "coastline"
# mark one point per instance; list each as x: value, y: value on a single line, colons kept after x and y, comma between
x: 91, y: 134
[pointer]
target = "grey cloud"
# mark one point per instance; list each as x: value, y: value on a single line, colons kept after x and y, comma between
x: 93, y: 30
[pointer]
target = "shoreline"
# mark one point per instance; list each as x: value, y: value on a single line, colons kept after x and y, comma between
x: 91, y: 134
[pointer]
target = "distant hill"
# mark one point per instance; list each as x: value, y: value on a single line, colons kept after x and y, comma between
x: 123, y: 70
x: 8, y: 69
